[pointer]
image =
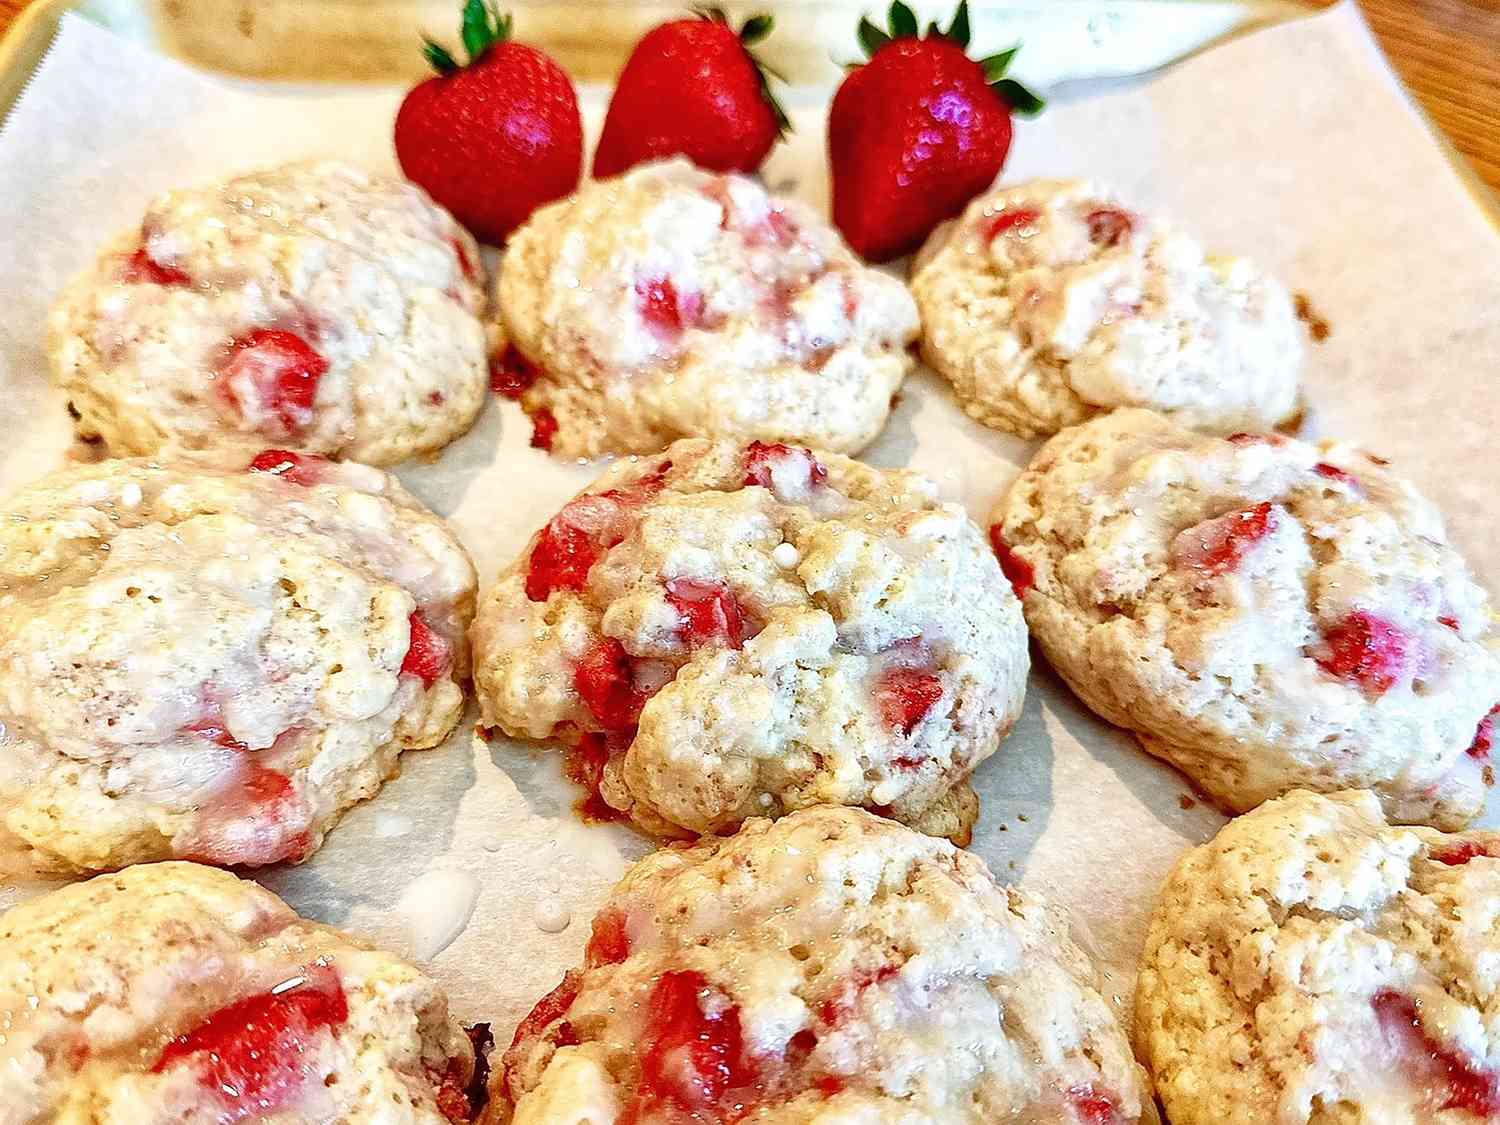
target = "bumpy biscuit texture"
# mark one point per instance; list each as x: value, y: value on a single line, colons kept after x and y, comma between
x: 725, y: 631
x: 827, y: 967
x: 178, y: 993
x: 1048, y: 302
x: 313, y: 307
x: 671, y: 302
x: 1266, y: 614
x: 213, y: 665
x: 1313, y: 964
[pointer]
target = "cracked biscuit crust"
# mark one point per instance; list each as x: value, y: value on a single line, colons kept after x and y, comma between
x: 1265, y: 614
x: 725, y: 631
x: 313, y: 307
x: 670, y: 302
x: 177, y: 993
x: 827, y: 967
x: 213, y: 665
x: 1048, y: 302
x: 1312, y: 964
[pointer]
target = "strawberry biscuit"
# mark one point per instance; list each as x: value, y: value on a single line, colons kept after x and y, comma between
x: 313, y: 307
x: 1311, y: 964
x: 726, y: 631
x: 827, y: 967
x: 1265, y: 614
x: 671, y: 303
x: 1049, y: 302
x: 177, y: 993
x: 214, y: 665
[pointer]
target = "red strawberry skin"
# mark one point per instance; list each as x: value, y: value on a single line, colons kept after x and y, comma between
x: 494, y: 140
x: 690, y: 87
x: 913, y: 135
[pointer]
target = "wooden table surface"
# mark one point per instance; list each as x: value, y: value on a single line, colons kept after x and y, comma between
x: 1447, y: 52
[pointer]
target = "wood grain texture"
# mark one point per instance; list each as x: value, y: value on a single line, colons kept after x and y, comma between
x: 1446, y: 51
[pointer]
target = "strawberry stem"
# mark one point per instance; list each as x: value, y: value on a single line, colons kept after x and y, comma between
x: 483, y: 27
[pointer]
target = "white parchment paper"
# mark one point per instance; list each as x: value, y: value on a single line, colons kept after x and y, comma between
x: 1294, y: 145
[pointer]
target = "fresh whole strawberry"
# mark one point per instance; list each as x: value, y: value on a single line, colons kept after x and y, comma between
x: 917, y: 132
x: 692, y: 87
x: 495, y: 139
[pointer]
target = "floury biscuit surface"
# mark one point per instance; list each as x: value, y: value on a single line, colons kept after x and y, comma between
x: 1311, y: 964
x: 723, y: 631
x: 178, y: 993
x: 829, y: 967
x: 1265, y: 614
x: 1048, y: 302
x: 214, y: 664
x: 313, y: 307
x: 670, y: 302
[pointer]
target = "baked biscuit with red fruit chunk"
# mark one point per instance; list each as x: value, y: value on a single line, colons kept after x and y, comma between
x: 1313, y: 964
x: 1265, y: 614
x: 176, y: 992
x: 214, y: 664
x: 723, y: 631
x: 828, y: 966
x: 673, y: 302
x: 313, y: 307
x: 1046, y: 303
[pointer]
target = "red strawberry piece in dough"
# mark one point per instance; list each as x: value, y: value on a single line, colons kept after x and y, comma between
x: 298, y: 468
x: 1092, y: 1107
x: 1109, y: 226
x: 905, y: 695
x: 1450, y: 1078
x: 1484, y: 736
x: 450, y: 1093
x: 609, y: 942
x: 495, y: 139
x: 428, y: 655
x: 1366, y: 650
x: 692, y: 87
x: 788, y: 471
x: 548, y: 1010
x: 1220, y: 545
x: 1012, y: 218
x: 466, y: 262
x: 142, y: 269
x: 211, y: 726
x: 1243, y: 438
x: 270, y: 371
x: 916, y: 133
x: 512, y: 374
x: 708, y: 611
x: 257, y: 1055
x: 543, y: 429
x: 1021, y: 573
x: 605, y: 682
x: 585, y: 764
x: 1450, y: 622
x: 1460, y: 853
x: 575, y: 539
x: 665, y: 310
x: 692, y: 1052
x: 1342, y: 476
x: 257, y: 819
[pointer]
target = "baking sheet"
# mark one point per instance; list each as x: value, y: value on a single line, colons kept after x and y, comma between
x: 1294, y: 145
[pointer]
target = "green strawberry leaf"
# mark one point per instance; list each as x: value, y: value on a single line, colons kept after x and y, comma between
x: 756, y: 28
x: 903, y: 21
x: 871, y: 38
x: 710, y: 12
x: 1020, y: 99
x: 483, y: 27
x: 958, y: 30
x: 437, y: 57
x: 996, y: 65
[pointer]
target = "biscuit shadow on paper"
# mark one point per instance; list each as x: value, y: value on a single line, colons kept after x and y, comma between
x: 383, y: 844
x: 1015, y: 793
